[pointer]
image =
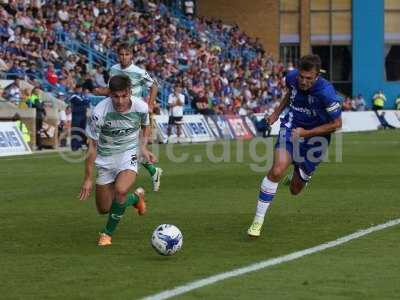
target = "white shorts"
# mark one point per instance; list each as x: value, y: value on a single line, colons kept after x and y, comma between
x: 108, y: 167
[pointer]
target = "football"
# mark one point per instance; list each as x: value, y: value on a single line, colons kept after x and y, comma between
x: 167, y: 239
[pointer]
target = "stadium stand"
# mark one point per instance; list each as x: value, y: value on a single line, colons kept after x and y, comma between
x: 59, y: 47
x: 56, y: 45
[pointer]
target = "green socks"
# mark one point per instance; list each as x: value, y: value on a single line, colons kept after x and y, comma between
x: 131, y: 200
x: 149, y: 167
x: 117, y: 211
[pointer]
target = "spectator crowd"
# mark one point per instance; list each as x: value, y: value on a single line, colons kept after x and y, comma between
x: 218, y: 68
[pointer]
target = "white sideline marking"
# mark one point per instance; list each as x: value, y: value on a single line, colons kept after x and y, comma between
x: 179, y: 290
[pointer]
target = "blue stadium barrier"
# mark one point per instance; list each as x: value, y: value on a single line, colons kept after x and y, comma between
x: 108, y: 58
x: 94, y: 57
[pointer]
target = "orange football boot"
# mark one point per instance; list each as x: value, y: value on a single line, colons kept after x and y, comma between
x: 104, y: 240
x: 140, y: 206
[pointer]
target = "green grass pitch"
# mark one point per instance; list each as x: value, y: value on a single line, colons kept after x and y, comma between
x: 48, y: 238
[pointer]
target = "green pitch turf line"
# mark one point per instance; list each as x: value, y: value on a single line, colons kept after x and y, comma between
x: 267, y: 263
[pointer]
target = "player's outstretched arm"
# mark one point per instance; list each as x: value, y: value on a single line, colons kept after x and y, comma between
x: 86, y: 187
x: 277, y: 112
x: 144, y: 138
x: 102, y: 91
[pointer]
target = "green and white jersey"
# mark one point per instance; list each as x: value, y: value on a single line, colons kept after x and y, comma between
x: 116, y: 132
x: 141, y: 80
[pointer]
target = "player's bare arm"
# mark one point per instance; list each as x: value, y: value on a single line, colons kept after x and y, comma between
x: 102, y: 91
x: 282, y: 105
x: 144, y: 138
x: 318, y: 131
x: 87, y: 184
x: 153, y: 95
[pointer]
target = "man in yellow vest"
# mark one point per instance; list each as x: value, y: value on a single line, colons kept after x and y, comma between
x: 24, y: 130
x: 398, y: 102
x: 379, y: 101
x: 33, y: 98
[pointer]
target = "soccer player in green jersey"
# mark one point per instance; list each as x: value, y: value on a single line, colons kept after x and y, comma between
x: 118, y: 129
x: 141, y: 81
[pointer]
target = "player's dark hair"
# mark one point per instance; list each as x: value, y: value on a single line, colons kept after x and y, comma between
x: 124, y: 46
x: 310, y: 62
x: 119, y: 83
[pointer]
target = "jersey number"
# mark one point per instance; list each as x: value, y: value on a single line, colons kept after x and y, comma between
x: 134, y: 159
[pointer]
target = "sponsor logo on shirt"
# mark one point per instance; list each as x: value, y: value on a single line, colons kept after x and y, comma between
x: 333, y: 107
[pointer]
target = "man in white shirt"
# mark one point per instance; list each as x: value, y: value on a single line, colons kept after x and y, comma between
x: 62, y: 120
x: 13, y: 93
x: 358, y: 104
x: 141, y: 82
x: 189, y: 7
x: 118, y: 128
x: 63, y: 15
x: 176, y: 101
x: 99, y: 78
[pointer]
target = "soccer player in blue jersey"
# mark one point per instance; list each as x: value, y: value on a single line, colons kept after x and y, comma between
x: 313, y: 113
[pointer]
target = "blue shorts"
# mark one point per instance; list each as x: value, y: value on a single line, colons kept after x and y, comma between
x: 306, y: 154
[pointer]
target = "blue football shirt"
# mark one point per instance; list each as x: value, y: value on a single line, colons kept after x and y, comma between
x: 312, y: 108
